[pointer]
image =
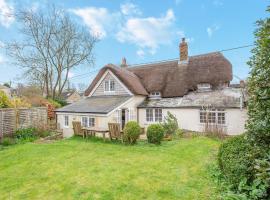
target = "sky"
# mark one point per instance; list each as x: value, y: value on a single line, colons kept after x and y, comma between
x: 146, y: 31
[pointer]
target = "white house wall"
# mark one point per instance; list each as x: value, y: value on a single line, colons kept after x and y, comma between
x: 189, y: 119
x: 101, y: 120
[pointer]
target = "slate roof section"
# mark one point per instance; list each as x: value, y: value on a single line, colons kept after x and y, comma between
x: 95, y: 104
x: 225, y: 98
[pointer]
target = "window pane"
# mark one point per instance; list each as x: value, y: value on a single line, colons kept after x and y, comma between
x: 106, y: 85
x: 202, y: 116
x: 211, y: 117
x: 112, y: 85
x: 158, y: 115
x: 91, y: 122
x: 149, y: 115
x: 221, y: 118
x: 66, y: 121
x: 84, y: 121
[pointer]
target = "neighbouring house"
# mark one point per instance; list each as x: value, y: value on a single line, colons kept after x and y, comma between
x: 196, y: 89
x: 71, y: 96
x: 6, y: 90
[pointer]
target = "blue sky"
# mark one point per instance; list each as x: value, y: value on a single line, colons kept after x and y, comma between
x: 146, y: 31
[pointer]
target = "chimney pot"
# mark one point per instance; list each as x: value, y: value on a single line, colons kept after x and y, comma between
x: 124, y: 62
x: 183, y: 48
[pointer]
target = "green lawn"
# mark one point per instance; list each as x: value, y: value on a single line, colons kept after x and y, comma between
x: 87, y: 169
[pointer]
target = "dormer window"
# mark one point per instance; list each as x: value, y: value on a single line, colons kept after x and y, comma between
x: 155, y: 95
x: 109, y: 86
x: 204, y: 86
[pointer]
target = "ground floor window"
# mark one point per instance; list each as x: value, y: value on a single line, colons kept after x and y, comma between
x: 212, y: 116
x: 154, y: 115
x: 66, y: 121
x: 88, y: 121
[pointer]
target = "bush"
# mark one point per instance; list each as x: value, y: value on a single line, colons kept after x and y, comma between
x: 155, y: 133
x: 236, y: 160
x: 55, y: 103
x: 7, y: 141
x: 132, y: 132
x: 26, y: 134
x: 4, y: 101
x: 60, y: 101
x: 170, y: 124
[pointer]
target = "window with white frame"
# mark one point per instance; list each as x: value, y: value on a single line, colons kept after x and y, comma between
x: 109, y: 86
x: 154, y: 115
x: 204, y: 86
x: 155, y: 94
x: 212, y: 116
x: 88, y: 121
x: 66, y: 121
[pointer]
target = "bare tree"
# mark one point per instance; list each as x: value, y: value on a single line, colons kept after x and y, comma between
x: 53, y: 45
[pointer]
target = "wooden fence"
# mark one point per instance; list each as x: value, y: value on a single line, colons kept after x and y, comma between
x: 12, y: 119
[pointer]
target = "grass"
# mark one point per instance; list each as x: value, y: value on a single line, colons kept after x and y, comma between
x: 92, y: 169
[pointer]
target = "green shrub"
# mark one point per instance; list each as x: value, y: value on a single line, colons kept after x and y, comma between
x: 4, y: 101
x: 60, y: 101
x: 155, y: 133
x: 132, y: 132
x: 7, y: 141
x: 179, y: 133
x: 26, y: 134
x: 55, y: 103
x: 236, y: 160
x: 170, y: 124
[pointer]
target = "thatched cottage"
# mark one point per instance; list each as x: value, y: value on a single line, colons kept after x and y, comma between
x: 196, y: 89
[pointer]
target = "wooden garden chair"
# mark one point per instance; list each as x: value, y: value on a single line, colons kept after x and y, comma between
x: 115, y: 131
x: 77, y: 128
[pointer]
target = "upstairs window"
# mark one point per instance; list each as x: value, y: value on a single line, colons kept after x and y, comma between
x: 204, y: 86
x: 109, y: 86
x: 155, y: 95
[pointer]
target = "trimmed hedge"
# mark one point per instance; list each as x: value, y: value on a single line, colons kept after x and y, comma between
x: 155, y: 133
x: 132, y: 132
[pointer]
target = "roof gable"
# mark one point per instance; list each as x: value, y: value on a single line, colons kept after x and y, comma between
x: 128, y: 80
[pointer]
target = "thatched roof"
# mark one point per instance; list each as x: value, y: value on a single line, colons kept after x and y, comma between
x: 171, y: 78
x: 130, y: 80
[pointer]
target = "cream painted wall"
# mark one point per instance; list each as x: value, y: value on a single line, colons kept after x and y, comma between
x: 101, y: 120
x: 189, y: 119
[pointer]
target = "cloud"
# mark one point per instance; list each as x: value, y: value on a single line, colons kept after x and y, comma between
x: 140, y: 53
x: 2, y: 59
x: 211, y: 30
x: 97, y: 19
x: 6, y: 14
x: 148, y: 32
x: 130, y: 9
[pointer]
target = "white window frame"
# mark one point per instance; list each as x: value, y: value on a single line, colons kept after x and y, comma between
x: 153, y: 115
x: 87, y: 121
x: 66, y: 121
x: 218, y: 116
x: 110, y: 84
x: 156, y: 94
x: 204, y: 86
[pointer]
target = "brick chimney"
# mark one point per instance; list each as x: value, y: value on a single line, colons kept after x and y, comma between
x: 124, y: 62
x: 183, y: 48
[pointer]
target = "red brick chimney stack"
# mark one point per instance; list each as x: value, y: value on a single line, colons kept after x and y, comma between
x: 183, y: 47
